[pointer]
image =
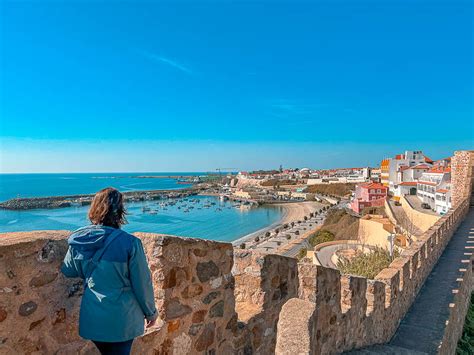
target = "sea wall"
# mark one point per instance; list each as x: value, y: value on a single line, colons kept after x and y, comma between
x: 335, y: 312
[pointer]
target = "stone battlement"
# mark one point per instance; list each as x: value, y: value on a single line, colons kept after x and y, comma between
x: 335, y: 312
x: 214, y: 299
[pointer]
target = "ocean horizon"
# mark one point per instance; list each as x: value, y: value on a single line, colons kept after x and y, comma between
x: 224, y: 221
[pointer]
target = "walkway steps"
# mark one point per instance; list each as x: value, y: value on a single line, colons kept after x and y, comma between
x: 421, y: 330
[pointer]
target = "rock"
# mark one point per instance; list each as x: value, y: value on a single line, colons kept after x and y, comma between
x: 174, y: 278
x: 43, y: 278
x: 200, y: 252
x: 206, y: 339
x: 217, y: 310
x: 205, y: 271
x: 27, y: 309
x: 3, y: 314
x: 211, y: 297
x: 173, y: 325
x: 194, y: 329
x: 192, y: 291
x: 60, y: 316
x: 175, y: 309
x: 10, y: 274
x: 36, y: 323
x: 198, y: 317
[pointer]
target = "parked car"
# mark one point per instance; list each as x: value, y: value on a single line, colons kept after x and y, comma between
x: 425, y: 206
x: 397, y: 203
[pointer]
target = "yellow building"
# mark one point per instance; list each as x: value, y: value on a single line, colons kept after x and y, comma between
x: 384, y: 171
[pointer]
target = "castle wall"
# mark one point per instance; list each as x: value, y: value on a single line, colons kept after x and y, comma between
x: 213, y: 299
x: 342, y: 312
x: 462, y: 177
x: 194, y: 293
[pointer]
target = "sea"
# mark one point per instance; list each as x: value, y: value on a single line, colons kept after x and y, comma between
x: 205, y: 217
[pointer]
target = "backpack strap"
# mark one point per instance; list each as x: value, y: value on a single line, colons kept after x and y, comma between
x: 98, y: 254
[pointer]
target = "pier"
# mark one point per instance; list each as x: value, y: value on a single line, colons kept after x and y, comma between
x: 86, y: 199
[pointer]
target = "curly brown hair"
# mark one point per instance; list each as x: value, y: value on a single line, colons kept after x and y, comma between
x: 107, y: 208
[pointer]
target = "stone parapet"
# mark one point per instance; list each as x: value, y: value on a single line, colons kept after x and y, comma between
x: 462, y: 177
x: 194, y: 293
x: 352, y: 312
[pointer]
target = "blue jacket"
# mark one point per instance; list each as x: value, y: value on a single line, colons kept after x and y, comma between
x: 118, y: 292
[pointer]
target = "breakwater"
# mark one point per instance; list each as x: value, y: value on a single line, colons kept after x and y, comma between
x: 86, y: 199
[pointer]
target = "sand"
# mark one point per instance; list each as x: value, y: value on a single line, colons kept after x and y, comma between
x: 293, y: 211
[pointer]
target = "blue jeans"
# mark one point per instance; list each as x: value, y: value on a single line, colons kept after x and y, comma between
x: 118, y: 348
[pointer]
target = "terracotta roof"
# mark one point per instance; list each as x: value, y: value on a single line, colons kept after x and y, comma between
x: 440, y: 170
x: 421, y: 166
x: 427, y: 183
x: 428, y: 160
x: 409, y: 183
x: 373, y: 185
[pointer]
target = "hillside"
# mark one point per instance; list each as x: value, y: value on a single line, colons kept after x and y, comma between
x: 341, y: 224
x: 340, y: 189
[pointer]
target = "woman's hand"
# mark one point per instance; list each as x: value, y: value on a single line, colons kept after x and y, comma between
x: 150, y: 323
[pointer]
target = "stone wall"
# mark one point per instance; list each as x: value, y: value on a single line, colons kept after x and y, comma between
x: 263, y: 284
x: 342, y: 312
x: 194, y: 292
x: 462, y: 177
x: 216, y: 300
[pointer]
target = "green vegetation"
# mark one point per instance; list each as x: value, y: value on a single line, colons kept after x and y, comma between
x: 321, y: 236
x: 302, y: 254
x: 367, y: 264
x: 339, y: 189
x: 466, y: 343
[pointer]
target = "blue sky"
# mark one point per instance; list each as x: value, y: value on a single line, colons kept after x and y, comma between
x: 186, y: 86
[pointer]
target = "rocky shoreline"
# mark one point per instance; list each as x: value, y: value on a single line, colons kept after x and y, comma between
x: 86, y: 199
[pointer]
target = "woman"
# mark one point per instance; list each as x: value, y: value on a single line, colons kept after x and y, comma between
x: 118, y: 293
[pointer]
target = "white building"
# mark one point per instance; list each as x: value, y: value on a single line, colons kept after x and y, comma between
x: 434, y: 187
x: 404, y: 161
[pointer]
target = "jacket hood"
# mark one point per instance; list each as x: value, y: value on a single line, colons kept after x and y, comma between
x: 90, y: 237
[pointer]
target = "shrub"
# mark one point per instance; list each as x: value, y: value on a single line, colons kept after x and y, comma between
x: 302, y: 254
x: 288, y: 237
x: 242, y: 246
x: 305, y: 218
x: 367, y: 264
x: 321, y: 236
x: 297, y: 232
x: 267, y: 234
x: 278, y: 243
x: 466, y: 343
x: 257, y: 239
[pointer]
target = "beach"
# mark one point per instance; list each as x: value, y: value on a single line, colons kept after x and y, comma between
x: 292, y: 212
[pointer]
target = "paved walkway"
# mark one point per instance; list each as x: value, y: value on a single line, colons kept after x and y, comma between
x: 422, y: 328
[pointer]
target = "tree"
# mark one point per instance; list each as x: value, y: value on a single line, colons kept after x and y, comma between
x: 321, y: 236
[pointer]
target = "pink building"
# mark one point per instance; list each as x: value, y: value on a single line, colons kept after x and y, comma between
x: 368, y: 195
